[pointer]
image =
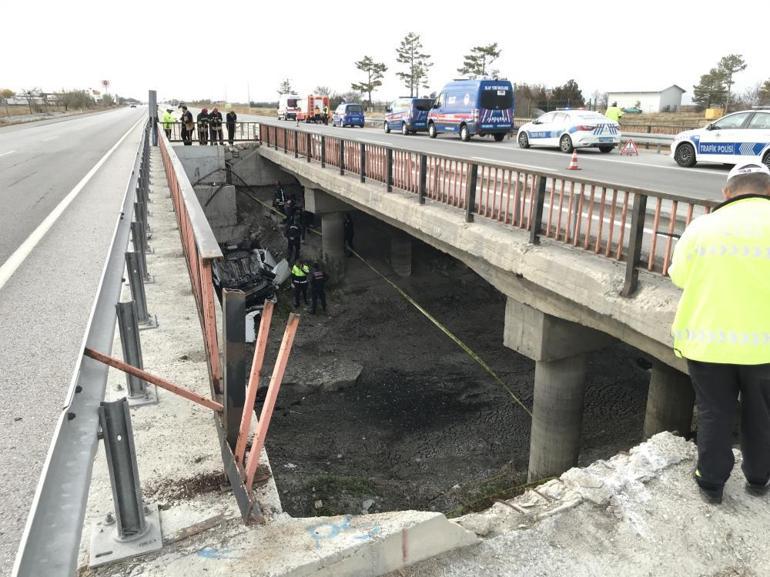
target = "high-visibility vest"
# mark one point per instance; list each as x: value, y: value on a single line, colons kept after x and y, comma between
x: 300, y: 273
x: 168, y: 120
x: 722, y: 263
x: 614, y: 113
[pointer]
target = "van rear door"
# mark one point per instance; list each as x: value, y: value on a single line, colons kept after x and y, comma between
x: 496, y: 106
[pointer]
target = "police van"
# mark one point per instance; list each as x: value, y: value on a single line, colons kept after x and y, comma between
x: 734, y: 138
x: 473, y: 107
x: 409, y: 115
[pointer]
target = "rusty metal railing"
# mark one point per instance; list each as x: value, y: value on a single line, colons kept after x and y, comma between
x: 244, y: 132
x: 629, y: 224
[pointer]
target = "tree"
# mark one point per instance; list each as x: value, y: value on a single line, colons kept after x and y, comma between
x: 30, y: 94
x: 475, y: 64
x: 729, y: 66
x: 75, y: 99
x: 569, y: 94
x: 323, y: 91
x: 374, y: 72
x: 285, y: 87
x: 417, y: 63
x: 6, y: 94
x: 107, y: 100
x: 711, y: 89
x: 764, y: 93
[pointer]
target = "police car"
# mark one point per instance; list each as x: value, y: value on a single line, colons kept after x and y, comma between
x: 570, y: 129
x: 732, y: 139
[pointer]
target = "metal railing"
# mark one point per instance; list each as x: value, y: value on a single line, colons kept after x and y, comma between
x: 609, y: 219
x: 244, y: 131
x: 51, y: 539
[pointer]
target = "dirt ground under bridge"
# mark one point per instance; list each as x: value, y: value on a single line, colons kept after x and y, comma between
x: 424, y: 426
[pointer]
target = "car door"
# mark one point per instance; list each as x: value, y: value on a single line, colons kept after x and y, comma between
x: 722, y: 140
x: 757, y: 135
x: 559, y: 125
x: 540, y: 133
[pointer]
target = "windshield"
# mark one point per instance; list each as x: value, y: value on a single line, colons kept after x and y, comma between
x: 423, y: 104
x: 291, y: 102
x: 496, y: 99
x: 354, y: 109
x: 592, y: 117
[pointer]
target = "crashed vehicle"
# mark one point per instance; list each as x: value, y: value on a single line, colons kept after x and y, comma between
x: 253, y: 271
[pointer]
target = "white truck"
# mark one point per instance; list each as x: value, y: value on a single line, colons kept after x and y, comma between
x: 288, y: 106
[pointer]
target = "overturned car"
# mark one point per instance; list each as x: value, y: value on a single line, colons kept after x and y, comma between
x: 253, y: 271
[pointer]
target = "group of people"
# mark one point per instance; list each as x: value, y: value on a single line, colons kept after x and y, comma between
x: 301, y: 276
x: 209, y: 125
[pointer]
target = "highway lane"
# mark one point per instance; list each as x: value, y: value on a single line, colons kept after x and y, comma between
x: 649, y: 170
x: 45, y: 304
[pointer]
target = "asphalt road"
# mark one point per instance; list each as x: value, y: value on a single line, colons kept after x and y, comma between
x: 649, y: 170
x: 46, y: 302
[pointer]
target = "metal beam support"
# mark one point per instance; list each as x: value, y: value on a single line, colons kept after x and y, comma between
x: 152, y: 101
x: 309, y: 142
x: 362, y: 161
x: 234, y: 328
x: 638, y: 213
x: 342, y: 156
x: 537, y: 213
x: 323, y: 151
x: 470, y: 192
x: 296, y: 143
x: 423, y: 178
x: 135, y: 280
x: 138, y: 392
x: 389, y: 170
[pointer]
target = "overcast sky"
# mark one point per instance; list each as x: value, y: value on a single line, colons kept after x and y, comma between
x: 247, y: 47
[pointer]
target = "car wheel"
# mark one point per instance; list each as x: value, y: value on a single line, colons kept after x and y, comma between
x: 386, y: 127
x: 766, y: 159
x: 432, y: 130
x: 465, y: 136
x: 685, y: 155
x: 404, y: 129
x: 499, y: 137
x: 565, y: 144
x: 523, y: 140
x: 606, y: 149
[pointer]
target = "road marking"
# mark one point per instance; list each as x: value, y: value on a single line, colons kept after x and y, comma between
x: 14, y: 261
x: 9, y: 152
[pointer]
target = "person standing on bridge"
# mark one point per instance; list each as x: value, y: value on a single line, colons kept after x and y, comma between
x: 722, y: 328
x: 230, y: 118
x: 215, y: 122
x: 188, y: 126
x: 168, y: 122
x: 203, y: 126
x: 614, y: 112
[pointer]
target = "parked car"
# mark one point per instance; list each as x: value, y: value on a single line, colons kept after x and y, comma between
x: 632, y: 110
x: 570, y: 129
x: 348, y: 114
x: 409, y: 115
x: 469, y: 107
x: 733, y: 138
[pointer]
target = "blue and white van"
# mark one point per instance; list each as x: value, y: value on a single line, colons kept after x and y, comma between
x: 468, y: 107
x: 409, y: 115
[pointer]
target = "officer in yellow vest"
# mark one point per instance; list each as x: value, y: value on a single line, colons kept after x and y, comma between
x: 168, y: 122
x: 299, y: 281
x: 722, y: 328
x: 614, y: 112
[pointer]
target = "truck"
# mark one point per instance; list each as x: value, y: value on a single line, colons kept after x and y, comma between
x: 312, y: 109
x: 288, y: 106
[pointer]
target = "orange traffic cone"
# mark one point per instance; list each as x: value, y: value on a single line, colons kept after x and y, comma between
x: 573, y: 163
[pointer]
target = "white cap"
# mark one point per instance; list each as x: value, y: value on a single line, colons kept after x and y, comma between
x: 748, y: 168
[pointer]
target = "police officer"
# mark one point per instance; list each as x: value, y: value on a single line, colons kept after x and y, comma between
x: 203, y: 126
x: 293, y: 234
x: 722, y: 328
x: 168, y: 122
x: 326, y: 114
x: 230, y: 119
x: 299, y: 280
x: 215, y: 122
x: 279, y: 198
x: 318, y: 280
x: 614, y: 112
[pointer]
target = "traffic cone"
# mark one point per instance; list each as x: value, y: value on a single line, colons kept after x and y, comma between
x: 573, y: 163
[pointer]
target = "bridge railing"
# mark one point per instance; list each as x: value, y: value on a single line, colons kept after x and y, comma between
x: 244, y: 132
x: 637, y: 226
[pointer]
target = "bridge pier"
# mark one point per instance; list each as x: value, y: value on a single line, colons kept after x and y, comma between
x: 559, y: 349
x: 670, y: 401
x: 401, y: 253
x: 332, y: 212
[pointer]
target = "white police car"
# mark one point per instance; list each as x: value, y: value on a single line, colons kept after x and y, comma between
x: 570, y: 129
x: 732, y: 139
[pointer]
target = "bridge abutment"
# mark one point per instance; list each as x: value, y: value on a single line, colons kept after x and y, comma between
x: 559, y: 350
x: 670, y: 401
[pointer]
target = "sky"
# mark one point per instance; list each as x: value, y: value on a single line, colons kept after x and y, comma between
x: 250, y: 46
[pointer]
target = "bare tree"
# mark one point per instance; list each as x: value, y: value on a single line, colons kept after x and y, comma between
x: 6, y: 94
x: 30, y: 95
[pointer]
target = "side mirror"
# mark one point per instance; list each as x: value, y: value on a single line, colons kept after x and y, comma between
x: 536, y: 121
x: 710, y: 126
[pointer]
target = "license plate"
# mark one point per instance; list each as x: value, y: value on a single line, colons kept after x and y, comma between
x: 605, y: 139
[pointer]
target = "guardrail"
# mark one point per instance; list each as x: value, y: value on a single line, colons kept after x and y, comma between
x: 608, y: 219
x: 51, y: 539
x: 244, y: 131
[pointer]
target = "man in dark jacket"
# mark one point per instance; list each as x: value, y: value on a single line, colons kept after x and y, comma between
x: 231, y: 117
x: 203, y: 127
x: 293, y: 234
x: 188, y: 126
x: 318, y: 280
x: 215, y: 122
x: 347, y: 226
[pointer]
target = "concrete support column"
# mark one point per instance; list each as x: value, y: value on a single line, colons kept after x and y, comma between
x: 557, y: 416
x: 401, y: 254
x: 332, y: 243
x: 670, y: 401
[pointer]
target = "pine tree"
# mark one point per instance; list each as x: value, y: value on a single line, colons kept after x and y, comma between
x: 476, y: 63
x: 374, y: 72
x: 764, y: 93
x: 418, y: 63
x: 730, y: 65
x: 285, y: 87
x: 711, y: 89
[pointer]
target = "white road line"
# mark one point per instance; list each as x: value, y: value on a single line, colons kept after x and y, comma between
x: 9, y: 152
x: 14, y: 261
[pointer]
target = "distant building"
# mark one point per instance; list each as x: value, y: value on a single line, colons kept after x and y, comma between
x: 666, y: 100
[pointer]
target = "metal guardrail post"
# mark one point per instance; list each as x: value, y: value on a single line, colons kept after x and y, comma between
x: 128, y: 324
x: 296, y: 144
x: 137, y: 527
x: 362, y: 161
x: 285, y: 140
x: 309, y: 143
x: 139, y: 239
x: 275, y: 137
x: 470, y: 192
x: 423, y: 178
x: 135, y: 280
x: 152, y: 107
x: 267, y: 135
x: 389, y: 170
x: 638, y: 212
x: 234, y: 328
x: 342, y: 156
x: 537, y: 213
x: 323, y: 151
